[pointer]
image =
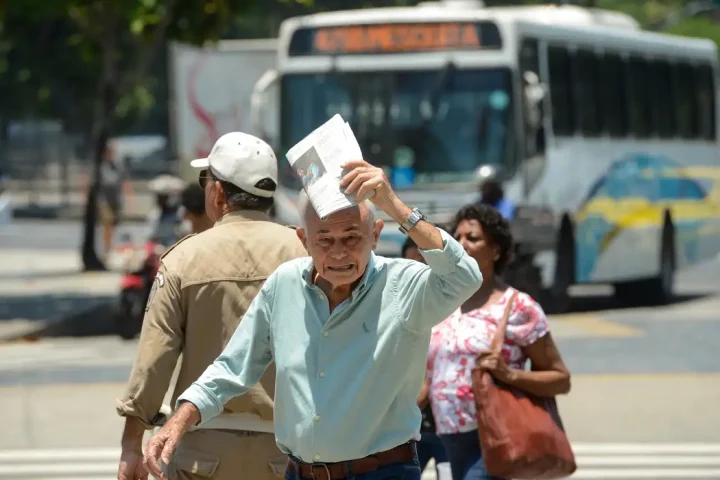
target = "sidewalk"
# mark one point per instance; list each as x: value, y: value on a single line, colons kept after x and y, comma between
x: 39, y: 289
x: 52, y: 203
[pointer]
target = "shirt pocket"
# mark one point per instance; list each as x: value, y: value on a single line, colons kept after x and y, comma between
x: 196, y: 462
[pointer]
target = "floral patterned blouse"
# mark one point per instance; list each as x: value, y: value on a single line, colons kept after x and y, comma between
x: 455, y: 343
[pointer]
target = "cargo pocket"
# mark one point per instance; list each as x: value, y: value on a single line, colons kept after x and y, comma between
x: 196, y: 462
x: 278, y: 465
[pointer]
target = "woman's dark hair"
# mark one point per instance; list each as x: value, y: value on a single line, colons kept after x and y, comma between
x: 494, y: 226
x: 409, y: 243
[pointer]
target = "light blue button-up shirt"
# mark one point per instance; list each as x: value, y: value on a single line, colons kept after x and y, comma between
x: 347, y: 382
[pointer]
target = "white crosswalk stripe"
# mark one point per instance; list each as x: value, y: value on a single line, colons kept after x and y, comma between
x: 595, y: 461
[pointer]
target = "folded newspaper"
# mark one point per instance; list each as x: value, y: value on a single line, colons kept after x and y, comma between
x: 317, y: 160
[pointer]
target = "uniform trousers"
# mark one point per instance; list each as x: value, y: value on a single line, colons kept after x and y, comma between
x: 227, y: 455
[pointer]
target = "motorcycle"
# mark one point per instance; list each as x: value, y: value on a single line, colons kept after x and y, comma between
x: 140, y: 264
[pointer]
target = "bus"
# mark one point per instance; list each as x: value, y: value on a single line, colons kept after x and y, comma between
x: 603, y: 135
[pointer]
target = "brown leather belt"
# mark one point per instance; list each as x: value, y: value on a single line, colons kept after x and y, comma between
x: 337, y: 471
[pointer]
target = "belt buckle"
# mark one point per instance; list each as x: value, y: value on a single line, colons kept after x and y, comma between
x: 323, y: 465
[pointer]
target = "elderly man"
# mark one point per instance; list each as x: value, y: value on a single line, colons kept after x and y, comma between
x: 201, y: 293
x: 349, y: 333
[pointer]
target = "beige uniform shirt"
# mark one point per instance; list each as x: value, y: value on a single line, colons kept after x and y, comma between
x: 203, y: 288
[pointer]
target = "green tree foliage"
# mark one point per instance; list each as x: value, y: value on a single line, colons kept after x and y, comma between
x: 89, y: 59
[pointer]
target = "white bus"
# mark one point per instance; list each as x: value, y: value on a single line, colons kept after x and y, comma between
x: 603, y: 135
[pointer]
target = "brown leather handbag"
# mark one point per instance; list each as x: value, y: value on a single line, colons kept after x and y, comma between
x: 521, y: 435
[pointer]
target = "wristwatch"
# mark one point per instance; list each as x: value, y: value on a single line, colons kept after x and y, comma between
x: 412, y: 220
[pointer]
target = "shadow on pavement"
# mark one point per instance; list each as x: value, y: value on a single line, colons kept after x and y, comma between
x: 33, y: 316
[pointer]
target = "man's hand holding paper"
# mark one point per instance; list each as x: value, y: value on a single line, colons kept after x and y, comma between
x: 365, y: 181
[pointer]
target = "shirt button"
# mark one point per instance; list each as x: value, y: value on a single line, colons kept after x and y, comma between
x: 322, y: 374
x: 317, y: 418
x: 317, y: 457
x: 326, y: 333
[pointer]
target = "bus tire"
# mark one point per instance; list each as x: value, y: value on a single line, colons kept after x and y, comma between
x: 557, y: 297
x: 522, y: 274
x: 658, y: 290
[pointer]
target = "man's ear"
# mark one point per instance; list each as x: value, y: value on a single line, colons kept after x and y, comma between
x: 300, y: 232
x: 219, y: 195
x: 377, y: 228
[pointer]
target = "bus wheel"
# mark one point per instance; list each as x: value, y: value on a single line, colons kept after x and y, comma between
x: 660, y: 289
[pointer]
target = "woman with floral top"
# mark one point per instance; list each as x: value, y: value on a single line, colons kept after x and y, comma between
x: 466, y: 335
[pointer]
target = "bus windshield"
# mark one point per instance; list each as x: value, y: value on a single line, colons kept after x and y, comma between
x: 423, y: 127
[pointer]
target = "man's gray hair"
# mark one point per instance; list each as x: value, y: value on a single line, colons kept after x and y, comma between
x: 304, y: 204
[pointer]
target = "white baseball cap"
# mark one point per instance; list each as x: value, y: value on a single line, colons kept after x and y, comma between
x: 242, y: 160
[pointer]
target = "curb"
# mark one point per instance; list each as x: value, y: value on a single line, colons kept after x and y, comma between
x: 94, y: 320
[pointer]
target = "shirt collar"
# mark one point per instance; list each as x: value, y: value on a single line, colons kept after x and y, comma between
x: 243, y: 216
x: 367, y: 277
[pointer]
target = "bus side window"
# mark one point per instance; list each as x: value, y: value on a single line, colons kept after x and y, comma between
x: 561, y: 91
x: 706, y: 101
x: 685, y: 100
x: 588, y: 93
x: 613, y: 74
x: 662, y: 98
x: 639, y: 108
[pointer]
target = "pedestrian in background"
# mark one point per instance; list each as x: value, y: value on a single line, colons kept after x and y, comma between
x: 466, y: 335
x: 348, y: 331
x: 201, y: 293
x: 194, y: 217
x: 493, y: 194
x: 114, y: 184
x: 430, y: 446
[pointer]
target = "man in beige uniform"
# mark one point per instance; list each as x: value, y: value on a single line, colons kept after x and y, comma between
x: 202, y: 290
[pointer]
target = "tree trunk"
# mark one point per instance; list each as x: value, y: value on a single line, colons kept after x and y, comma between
x: 90, y: 259
x: 102, y: 129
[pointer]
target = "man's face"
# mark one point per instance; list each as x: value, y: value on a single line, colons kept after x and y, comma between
x: 341, y: 245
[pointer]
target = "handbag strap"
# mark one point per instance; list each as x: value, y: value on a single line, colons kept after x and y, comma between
x: 499, y: 339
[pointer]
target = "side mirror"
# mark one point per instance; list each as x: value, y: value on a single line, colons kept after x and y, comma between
x: 533, y: 95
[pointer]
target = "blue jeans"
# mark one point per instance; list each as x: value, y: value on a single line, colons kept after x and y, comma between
x: 466, y: 462
x: 398, y: 471
x: 430, y: 446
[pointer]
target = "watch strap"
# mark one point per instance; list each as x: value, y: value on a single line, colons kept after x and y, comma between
x: 413, y: 219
